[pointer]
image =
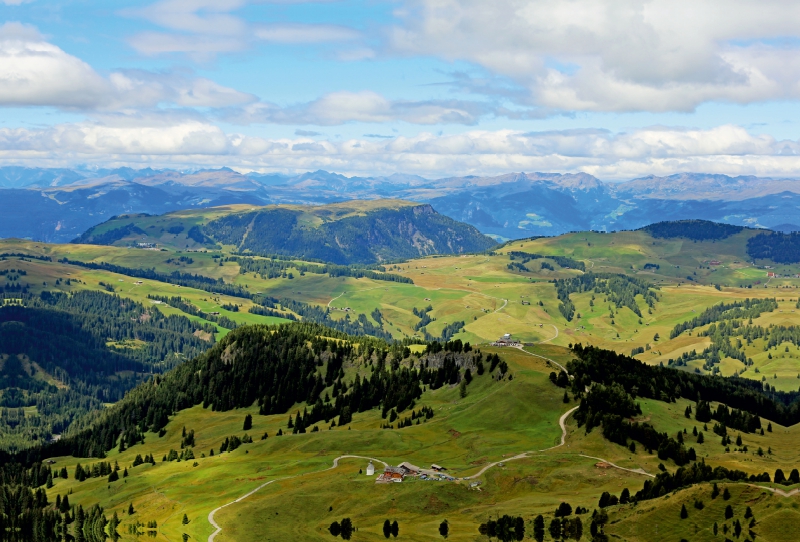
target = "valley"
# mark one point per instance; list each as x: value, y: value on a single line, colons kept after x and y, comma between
x: 627, y: 292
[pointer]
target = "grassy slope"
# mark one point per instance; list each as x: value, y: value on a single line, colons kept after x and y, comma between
x: 522, y: 414
x: 496, y: 420
x: 482, y: 292
x: 156, y: 228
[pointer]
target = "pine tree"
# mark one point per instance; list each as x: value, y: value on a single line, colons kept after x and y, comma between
x: 347, y: 529
x: 387, y: 529
x: 185, y: 520
x: 728, y: 512
x: 444, y: 529
x: 684, y: 512
x: 131, y: 511
x: 726, y: 494
x: 248, y: 423
x: 395, y: 529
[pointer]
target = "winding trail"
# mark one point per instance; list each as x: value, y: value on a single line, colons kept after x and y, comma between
x: 551, y: 338
x: 218, y: 529
x: 554, y: 362
x: 562, y: 422
x: 335, y: 298
x: 610, y: 464
x: 777, y: 491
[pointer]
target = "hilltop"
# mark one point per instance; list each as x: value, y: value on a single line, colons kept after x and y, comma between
x: 361, y: 232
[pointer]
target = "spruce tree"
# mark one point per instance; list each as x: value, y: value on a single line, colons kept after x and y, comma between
x: 248, y: 423
x: 387, y: 529
x: 347, y: 529
x: 684, y: 512
x: 444, y: 529
x: 395, y: 529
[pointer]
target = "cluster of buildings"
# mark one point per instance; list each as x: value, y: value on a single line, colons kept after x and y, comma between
x: 506, y: 340
x: 774, y: 275
x: 398, y: 474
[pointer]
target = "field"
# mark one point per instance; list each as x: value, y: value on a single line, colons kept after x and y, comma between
x: 496, y: 421
x: 483, y: 293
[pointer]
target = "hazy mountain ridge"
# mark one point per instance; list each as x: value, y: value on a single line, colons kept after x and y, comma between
x: 67, y: 202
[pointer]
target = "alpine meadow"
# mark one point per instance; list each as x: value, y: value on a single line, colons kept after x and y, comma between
x: 418, y: 270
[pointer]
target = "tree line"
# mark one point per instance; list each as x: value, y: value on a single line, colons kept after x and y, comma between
x: 778, y: 247
x: 621, y: 290
x: 67, y: 336
x: 274, y: 367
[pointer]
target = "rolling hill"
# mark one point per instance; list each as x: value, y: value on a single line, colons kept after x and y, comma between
x: 344, y: 233
x: 361, y: 378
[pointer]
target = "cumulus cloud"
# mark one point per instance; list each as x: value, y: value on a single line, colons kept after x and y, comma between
x: 174, y: 140
x: 616, y: 55
x: 34, y: 72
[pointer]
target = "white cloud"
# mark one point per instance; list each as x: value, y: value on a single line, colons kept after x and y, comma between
x: 203, y: 28
x: 616, y: 55
x: 34, y: 72
x: 181, y: 141
x: 343, y: 107
x: 305, y: 33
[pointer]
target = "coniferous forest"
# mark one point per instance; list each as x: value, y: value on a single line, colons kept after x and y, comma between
x: 68, y: 354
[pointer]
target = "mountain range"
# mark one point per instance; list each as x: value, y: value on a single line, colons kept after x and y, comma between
x: 57, y: 205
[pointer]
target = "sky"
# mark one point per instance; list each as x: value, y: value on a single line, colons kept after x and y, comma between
x: 616, y: 88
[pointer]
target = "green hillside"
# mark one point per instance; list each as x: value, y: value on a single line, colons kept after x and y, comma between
x: 501, y: 429
x: 342, y: 233
x: 717, y: 354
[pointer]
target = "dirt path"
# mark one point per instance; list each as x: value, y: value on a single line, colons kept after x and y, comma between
x: 554, y: 362
x: 218, y: 529
x: 562, y: 422
x: 335, y: 298
x: 610, y: 464
x: 777, y: 491
x: 551, y: 338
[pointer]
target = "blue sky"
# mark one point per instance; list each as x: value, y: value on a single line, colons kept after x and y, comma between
x: 618, y: 88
